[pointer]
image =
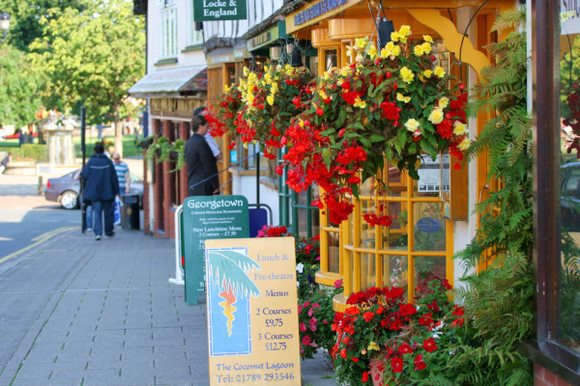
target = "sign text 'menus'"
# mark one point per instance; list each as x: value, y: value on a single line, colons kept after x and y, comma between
x: 317, y: 10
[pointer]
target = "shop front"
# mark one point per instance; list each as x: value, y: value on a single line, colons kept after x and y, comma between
x: 433, y: 212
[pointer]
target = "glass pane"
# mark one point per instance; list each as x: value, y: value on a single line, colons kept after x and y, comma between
x: 330, y: 59
x: 368, y: 270
x: 428, y: 268
x: 395, y: 236
x: 568, y: 311
x: 395, y: 270
x: 333, y: 253
x: 433, y: 176
x: 429, y: 227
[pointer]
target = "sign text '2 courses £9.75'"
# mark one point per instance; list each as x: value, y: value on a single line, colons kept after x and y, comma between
x: 209, y: 217
x: 252, y: 311
x: 212, y: 10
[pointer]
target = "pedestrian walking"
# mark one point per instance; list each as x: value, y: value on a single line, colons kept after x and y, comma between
x: 101, y: 188
x: 123, y: 174
x: 202, y: 177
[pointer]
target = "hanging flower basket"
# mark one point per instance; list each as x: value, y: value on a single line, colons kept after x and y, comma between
x: 394, y: 104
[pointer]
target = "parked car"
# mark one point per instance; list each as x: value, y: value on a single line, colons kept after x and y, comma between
x: 65, y: 190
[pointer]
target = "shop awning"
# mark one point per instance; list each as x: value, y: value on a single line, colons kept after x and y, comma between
x: 174, y: 82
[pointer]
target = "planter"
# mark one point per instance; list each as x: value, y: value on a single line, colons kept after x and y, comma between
x: 378, y: 366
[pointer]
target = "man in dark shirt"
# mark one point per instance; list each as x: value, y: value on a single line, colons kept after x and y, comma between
x: 202, y: 178
x: 101, y: 187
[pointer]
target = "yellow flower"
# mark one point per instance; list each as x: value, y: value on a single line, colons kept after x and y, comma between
x: 361, y: 44
x: 402, y: 98
x: 428, y: 38
x: 418, y: 50
x: 246, y: 71
x: 395, y: 36
x: 405, y: 31
x: 250, y: 99
x: 326, y: 75
x: 443, y: 102
x: 412, y: 124
x: 439, y: 71
x: 427, y: 73
x: 407, y: 75
x: 373, y: 346
x: 227, y: 88
x: 385, y: 53
x: 426, y: 47
x: 301, y: 122
x: 322, y: 94
x: 270, y: 100
x: 459, y: 128
x: 372, y: 51
x: 464, y: 145
x: 252, y: 77
x: 436, y: 116
x: 359, y: 103
x: 344, y: 71
x: 396, y: 51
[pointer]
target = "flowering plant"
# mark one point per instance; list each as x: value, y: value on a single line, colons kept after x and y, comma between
x: 571, y: 112
x: 379, y: 331
x: 261, y: 106
x: 394, y: 104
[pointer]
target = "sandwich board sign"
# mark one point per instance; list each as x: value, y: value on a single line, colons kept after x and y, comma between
x: 252, y: 311
x: 204, y: 218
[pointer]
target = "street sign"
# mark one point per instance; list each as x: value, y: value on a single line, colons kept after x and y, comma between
x: 204, y: 218
x: 214, y: 10
x: 252, y: 311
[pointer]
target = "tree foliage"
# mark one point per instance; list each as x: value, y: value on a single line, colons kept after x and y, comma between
x: 500, y: 299
x: 25, y: 18
x: 19, y: 100
x: 92, y: 57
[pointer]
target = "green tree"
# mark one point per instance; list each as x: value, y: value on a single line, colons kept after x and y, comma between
x: 19, y: 99
x: 25, y: 16
x: 92, y: 57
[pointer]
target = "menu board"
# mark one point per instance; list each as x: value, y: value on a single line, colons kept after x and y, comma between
x: 252, y: 311
x: 209, y: 217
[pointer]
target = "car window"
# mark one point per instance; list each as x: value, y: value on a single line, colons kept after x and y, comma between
x: 572, y: 184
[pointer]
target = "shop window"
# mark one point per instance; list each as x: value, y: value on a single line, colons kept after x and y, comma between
x: 167, y: 29
x: 194, y: 37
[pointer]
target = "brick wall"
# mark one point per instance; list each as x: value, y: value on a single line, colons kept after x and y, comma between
x: 544, y: 377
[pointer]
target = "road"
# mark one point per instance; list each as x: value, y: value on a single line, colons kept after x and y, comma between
x: 27, y: 219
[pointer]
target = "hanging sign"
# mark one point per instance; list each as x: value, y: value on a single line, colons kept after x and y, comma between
x: 252, y: 311
x: 212, y: 10
x: 209, y: 217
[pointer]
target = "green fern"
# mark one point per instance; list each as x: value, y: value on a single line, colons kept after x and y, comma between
x: 499, y: 300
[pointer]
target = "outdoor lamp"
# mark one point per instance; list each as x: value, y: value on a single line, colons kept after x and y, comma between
x: 386, y: 27
x: 4, y: 24
x: 296, y: 57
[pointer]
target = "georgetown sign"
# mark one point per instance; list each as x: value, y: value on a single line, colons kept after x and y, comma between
x: 212, y: 10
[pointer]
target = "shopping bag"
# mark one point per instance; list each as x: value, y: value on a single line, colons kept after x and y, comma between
x: 118, y: 210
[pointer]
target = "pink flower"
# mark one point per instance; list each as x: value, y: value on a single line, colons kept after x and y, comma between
x: 302, y: 327
x: 313, y: 322
x: 306, y: 340
x: 338, y: 283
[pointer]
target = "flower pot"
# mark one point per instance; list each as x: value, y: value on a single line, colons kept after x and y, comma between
x: 378, y: 366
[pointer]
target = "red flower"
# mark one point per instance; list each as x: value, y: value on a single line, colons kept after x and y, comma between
x: 352, y: 311
x: 405, y: 349
x: 343, y: 353
x: 426, y: 319
x: 390, y: 110
x: 445, y: 129
x: 354, y: 359
x: 458, y: 310
x: 407, y: 310
x: 419, y: 364
x: 365, y: 377
x: 350, y: 96
x: 319, y: 111
x: 397, y: 364
x: 368, y: 316
x: 429, y: 345
x: 306, y: 340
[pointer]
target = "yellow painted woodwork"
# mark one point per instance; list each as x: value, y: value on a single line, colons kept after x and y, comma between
x: 446, y: 29
x: 350, y: 27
